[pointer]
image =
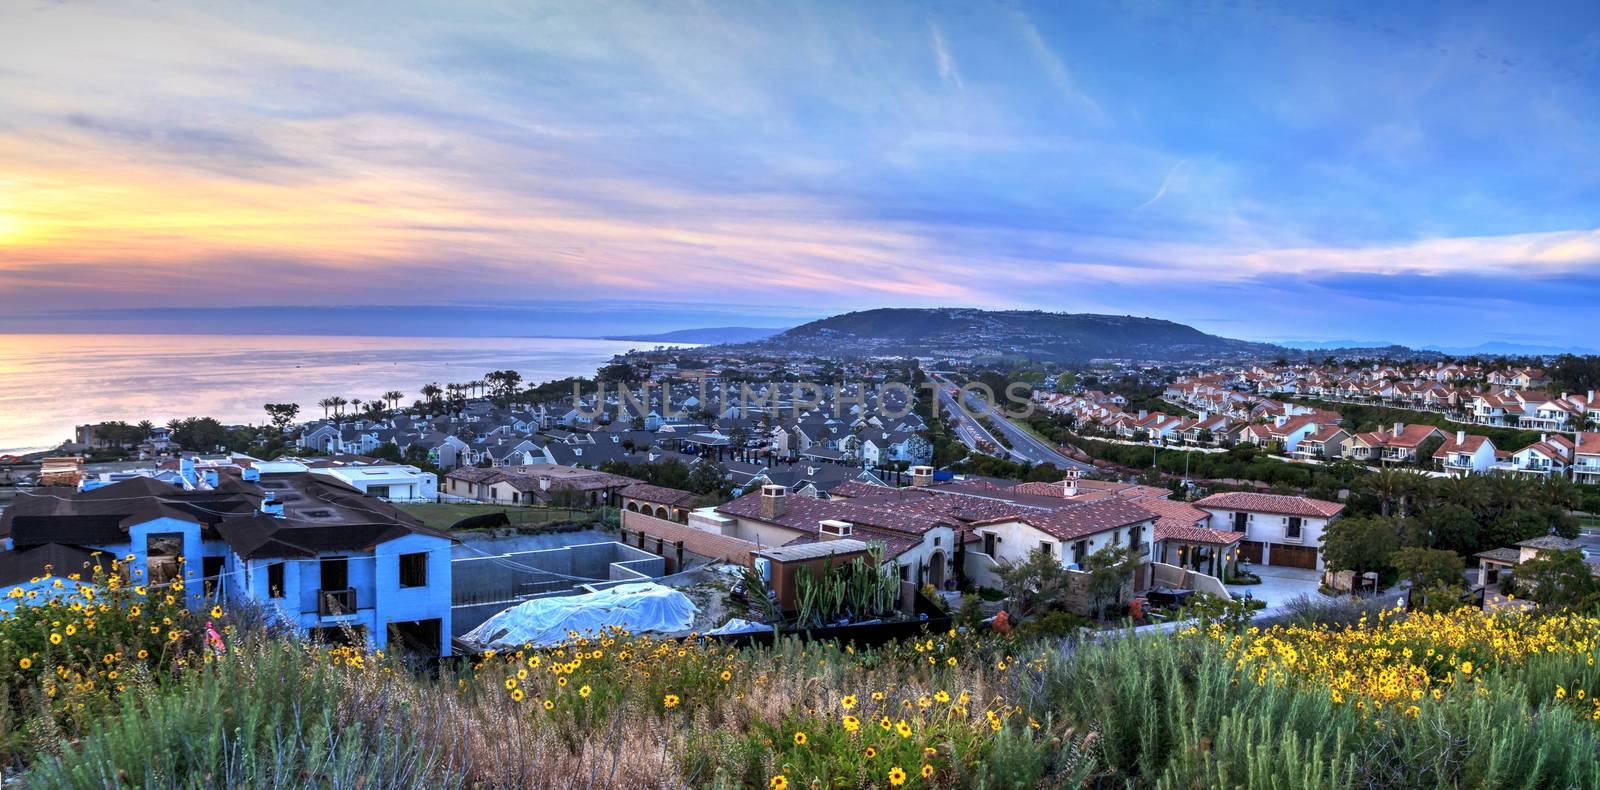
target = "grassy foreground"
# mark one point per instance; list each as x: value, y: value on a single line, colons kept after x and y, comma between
x: 1455, y: 700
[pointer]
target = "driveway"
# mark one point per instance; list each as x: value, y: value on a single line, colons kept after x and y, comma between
x: 1279, y: 585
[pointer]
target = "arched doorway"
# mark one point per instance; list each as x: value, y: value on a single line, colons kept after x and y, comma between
x: 634, y: 506
x: 936, y: 570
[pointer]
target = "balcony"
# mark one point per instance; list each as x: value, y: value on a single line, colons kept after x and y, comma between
x: 336, y: 603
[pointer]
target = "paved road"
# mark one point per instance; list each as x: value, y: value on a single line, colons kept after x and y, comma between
x: 1024, y: 446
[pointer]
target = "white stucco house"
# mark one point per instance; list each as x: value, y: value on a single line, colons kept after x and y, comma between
x: 1279, y: 530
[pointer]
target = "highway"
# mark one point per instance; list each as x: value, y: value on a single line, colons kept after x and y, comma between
x: 1025, y: 447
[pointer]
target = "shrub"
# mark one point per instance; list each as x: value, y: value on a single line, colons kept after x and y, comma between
x: 73, y: 644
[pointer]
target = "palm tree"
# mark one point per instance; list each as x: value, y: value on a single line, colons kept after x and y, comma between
x: 338, y: 405
x: 1391, y: 487
x: 1464, y: 490
x: 326, y: 404
x: 393, y: 397
x: 431, y: 392
x: 1506, y: 493
x: 1561, y: 492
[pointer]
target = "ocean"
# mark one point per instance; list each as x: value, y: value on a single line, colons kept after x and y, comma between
x: 50, y: 383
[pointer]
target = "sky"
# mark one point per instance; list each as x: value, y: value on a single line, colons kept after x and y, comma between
x: 1420, y: 173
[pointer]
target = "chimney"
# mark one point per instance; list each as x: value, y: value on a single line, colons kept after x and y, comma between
x: 773, y: 502
x: 1399, y: 428
x: 921, y: 476
x: 1070, y: 488
x: 544, y: 482
x: 1143, y: 413
x: 186, y: 471
x: 833, y: 529
x: 1461, y: 438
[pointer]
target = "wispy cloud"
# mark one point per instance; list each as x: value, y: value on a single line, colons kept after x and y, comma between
x: 1306, y: 168
x: 1166, y: 182
x: 941, y: 55
x: 1054, y: 67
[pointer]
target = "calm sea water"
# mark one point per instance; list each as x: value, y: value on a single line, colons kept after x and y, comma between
x: 50, y: 383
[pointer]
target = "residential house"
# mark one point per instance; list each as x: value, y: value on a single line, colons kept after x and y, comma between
x: 1399, y: 445
x: 1278, y: 530
x: 1325, y: 443
x: 660, y: 501
x: 1586, y: 457
x: 1550, y: 456
x: 534, y: 484
x: 1463, y: 453
x: 315, y: 552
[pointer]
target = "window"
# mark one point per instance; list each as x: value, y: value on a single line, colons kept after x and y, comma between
x: 211, y: 569
x: 905, y: 572
x: 414, y: 569
x: 335, y: 573
x: 1241, y: 522
x: 936, y: 540
x: 161, y: 557
x: 1116, y: 537
x: 988, y: 543
x: 275, y: 580
x: 1044, y: 548
x: 1292, y: 531
x: 1080, y: 549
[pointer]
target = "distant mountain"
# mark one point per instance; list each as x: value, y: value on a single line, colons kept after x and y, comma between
x: 1324, y: 345
x: 1490, y: 349
x: 964, y: 333
x: 1510, y: 350
x: 707, y: 336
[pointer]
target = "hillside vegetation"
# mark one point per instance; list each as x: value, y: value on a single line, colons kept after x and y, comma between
x: 961, y: 333
x: 111, y: 694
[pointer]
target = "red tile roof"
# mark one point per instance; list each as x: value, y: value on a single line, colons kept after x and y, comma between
x: 660, y: 495
x: 1272, y: 503
x: 1082, y: 520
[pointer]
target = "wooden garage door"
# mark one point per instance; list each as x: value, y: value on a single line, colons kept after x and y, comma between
x: 1294, y: 556
x: 1250, y: 550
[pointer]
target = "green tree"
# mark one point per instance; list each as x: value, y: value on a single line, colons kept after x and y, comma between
x: 1426, y: 450
x: 1426, y: 568
x: 1392, y: 488
x: 706, y: 477
x: 1360, y: 544
x: 389, y: 451
x: 1556, y: 578
x: 1035, y: 584
x: 1450, y: 527
x: 203, y: 434
x: 1109, y: 571
x: 282, y: 415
